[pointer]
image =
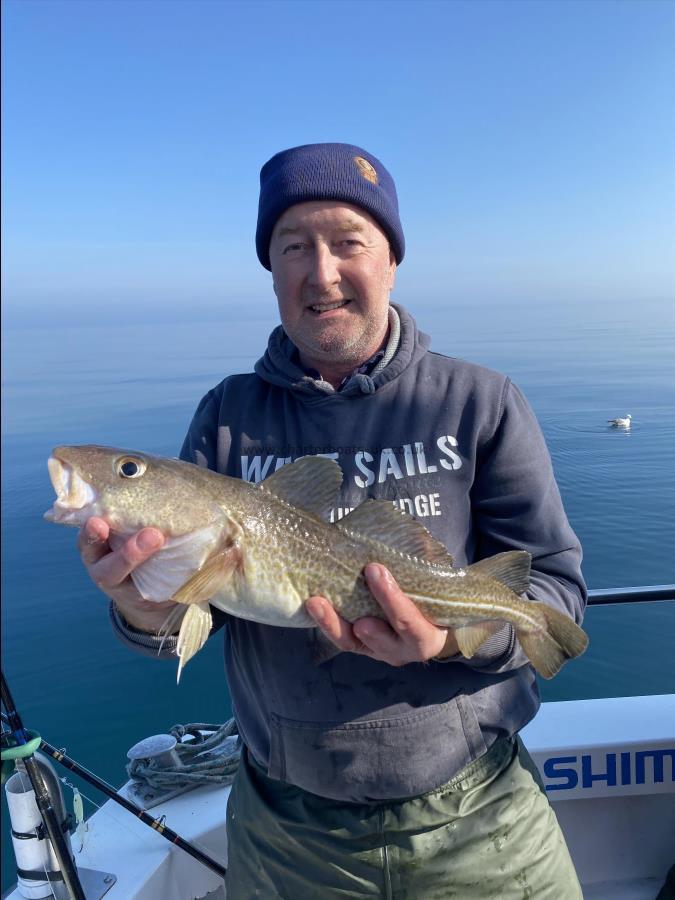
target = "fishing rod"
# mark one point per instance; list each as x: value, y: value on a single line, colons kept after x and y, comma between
x: 44, y: 802
x: 107, y: 789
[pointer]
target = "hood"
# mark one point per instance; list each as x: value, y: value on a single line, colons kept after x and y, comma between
x: 278, y: 365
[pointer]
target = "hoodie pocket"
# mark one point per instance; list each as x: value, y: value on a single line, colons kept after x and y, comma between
x: 377, y: 759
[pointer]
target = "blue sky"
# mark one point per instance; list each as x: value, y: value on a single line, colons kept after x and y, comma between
x: 532, y: 143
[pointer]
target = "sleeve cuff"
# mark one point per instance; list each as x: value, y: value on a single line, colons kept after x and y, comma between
x: 142, y: 641
x: 491, y: 655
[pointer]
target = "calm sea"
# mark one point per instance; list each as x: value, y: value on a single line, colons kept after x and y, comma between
x: 136, y: 385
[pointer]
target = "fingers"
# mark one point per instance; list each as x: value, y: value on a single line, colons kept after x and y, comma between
x: 109, y: 569
x: 113, y: 568
x: 336, y: 629
x: 92, y: 540
x: 402, y: 614
x: 379, y: 638
x: 406, y: 636
x: 409, y: 637
x: 451, y: 647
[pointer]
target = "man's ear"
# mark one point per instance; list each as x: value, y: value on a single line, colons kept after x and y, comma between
x: 392, y: 270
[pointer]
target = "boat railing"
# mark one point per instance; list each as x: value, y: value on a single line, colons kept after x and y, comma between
x: 604, y: 596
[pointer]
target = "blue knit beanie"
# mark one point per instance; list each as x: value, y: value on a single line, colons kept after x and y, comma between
x: 327, y: 172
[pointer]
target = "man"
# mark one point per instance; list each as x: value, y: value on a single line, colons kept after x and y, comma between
x: 393, y: 768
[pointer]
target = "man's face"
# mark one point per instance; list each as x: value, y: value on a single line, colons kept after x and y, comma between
x: 333, y: 272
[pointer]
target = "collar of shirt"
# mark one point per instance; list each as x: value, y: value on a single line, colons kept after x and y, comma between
x: 364, y: 369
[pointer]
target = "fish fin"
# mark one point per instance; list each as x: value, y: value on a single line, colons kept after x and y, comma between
x: 470, y: 637
x: 511, y: 568
x: 548, y: 648
x: 171, y: 624
x: 211, y: 577
x: 194, y: 630
x: 160, y: 576
x: 381, y: 521
x: 311, y: 483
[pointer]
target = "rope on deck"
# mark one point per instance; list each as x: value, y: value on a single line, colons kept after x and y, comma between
x: 210, y: 755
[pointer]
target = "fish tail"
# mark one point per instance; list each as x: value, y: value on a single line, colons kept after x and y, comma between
x: 194, y: 630
x: 559, y: 638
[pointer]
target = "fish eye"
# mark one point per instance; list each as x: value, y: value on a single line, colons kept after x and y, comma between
x: 130, y: 467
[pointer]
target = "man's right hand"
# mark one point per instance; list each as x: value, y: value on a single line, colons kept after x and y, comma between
x: 110, y: 570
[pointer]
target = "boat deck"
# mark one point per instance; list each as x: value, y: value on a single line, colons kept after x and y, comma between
x: 608, y: 766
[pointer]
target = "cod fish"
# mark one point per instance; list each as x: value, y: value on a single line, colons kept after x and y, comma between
x: 259, y: 551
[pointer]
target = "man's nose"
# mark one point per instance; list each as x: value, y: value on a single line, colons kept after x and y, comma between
x: 325, y: 270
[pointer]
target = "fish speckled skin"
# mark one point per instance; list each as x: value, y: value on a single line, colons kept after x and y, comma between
x: 259, y: 551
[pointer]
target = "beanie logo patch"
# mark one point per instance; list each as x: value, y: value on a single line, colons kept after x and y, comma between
x: 365, y: 169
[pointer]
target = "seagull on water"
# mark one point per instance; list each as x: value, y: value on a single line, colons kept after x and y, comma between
x: 620, y: 423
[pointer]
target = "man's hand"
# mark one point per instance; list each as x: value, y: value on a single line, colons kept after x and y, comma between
x: 405, y: 637
x: 110, y: 570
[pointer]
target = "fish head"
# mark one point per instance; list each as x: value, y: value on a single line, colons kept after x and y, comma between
x: 130, y: 489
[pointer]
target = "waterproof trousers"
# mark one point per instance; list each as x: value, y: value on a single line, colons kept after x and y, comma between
x: 490, y: 832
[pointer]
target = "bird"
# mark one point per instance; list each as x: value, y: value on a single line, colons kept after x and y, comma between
x: 620, y: 423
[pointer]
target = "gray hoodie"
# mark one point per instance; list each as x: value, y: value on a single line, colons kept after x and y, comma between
x: 456, y: 445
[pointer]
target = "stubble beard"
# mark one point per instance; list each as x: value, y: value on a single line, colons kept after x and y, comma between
x: 344, y: 346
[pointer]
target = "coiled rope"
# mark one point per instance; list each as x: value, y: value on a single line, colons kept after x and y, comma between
x: 209, y: 756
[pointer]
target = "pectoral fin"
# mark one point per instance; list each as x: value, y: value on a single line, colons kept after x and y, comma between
x: 212, y: 577
x: 194, y: 630
x: 161, y: 575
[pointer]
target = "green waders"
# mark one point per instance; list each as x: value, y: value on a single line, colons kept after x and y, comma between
x: 490, y: 832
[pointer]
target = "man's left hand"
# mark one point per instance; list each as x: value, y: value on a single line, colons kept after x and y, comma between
x: 406, y: 636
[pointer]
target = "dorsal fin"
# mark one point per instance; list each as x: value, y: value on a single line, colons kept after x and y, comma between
x: 381, y: 521
x: 311, y: 483
x: 512, y: 568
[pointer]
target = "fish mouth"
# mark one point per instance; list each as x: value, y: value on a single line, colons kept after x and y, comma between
x: 75, y: 497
